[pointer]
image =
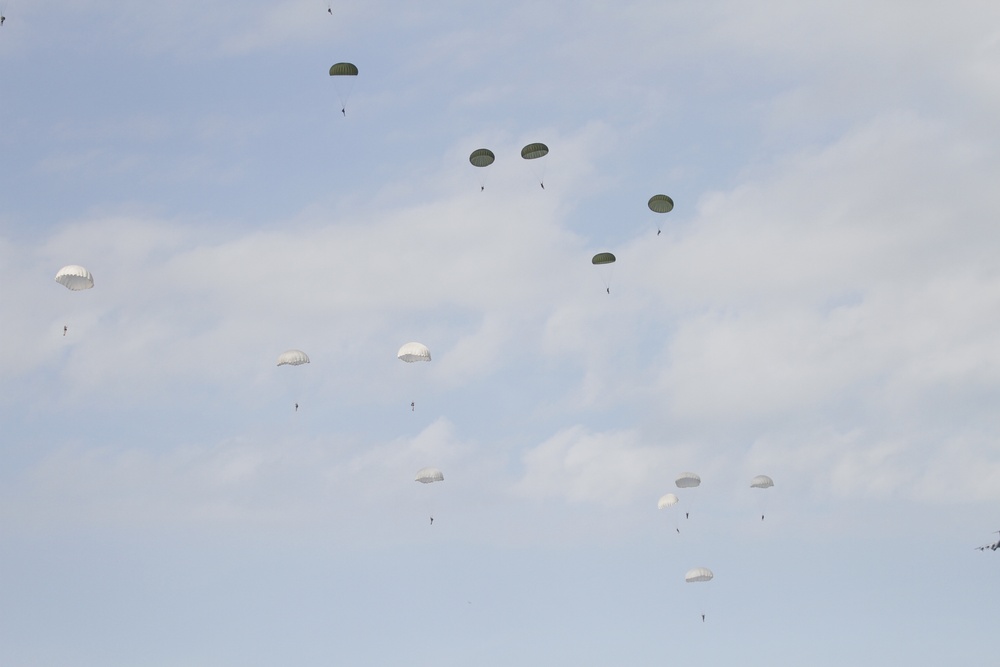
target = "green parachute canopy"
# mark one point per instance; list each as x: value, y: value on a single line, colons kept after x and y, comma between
x: 482, y: 157
x: 661, y: 204
x: 343, y: 69
x: 603, y: 258
x: 534, y: 151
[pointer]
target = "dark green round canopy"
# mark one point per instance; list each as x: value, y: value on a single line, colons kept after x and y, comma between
x: 343, y: 69
x: 482, y: 157
x: 534, y: 151
x: 661, y: 204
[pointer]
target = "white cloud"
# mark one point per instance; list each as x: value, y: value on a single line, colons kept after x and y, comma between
x: 246, y: 482
x: 779, y: 298
x: 178, y: 299
x: 580, y: 466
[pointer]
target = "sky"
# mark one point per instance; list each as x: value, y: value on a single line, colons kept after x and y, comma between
x: 821, y: 306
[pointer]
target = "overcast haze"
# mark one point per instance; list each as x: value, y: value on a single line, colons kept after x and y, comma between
x: 822, y: 306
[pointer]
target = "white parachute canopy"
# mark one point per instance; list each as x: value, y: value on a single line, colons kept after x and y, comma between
x: 688, y: 480
x: 293, y: 358
x: 668, y: 500
x: 698, y: 574
x: 75, y: 277
x: 428, y: 475
x: 412, y: 352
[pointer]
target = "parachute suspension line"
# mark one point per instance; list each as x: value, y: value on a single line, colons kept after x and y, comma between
x: 540, y: 174
x: 608, y: 274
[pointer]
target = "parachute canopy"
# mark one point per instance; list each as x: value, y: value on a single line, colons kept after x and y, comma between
x: 667, y: 500
x: 482, y: 157
x: 343, y: 69
x: 761, y: 482
x: 698, y: 574
x: 428, y: 475
x: 414, y: 352
x: 603, y: 258
x: 661, y: 204
x: 75, y: 278
x: 293, y: 358
x: 688, y: 480
x: 534, y: 151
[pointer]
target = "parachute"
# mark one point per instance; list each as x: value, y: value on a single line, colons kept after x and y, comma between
x: 429, y: 475
x: 338, y: 71
x: 293, y: 358
x: 660, y: 204
x: 761, y: 482
x: 698, y: 574
x: 608, y: 260
x: 668, y: 500
x: 687, y: 480
x: 412, y: 352
x: 533, y: 152
x: 74, y: 277
x: 482, y: 157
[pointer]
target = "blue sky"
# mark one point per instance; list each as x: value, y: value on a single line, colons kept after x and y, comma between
x: 821, y: 306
